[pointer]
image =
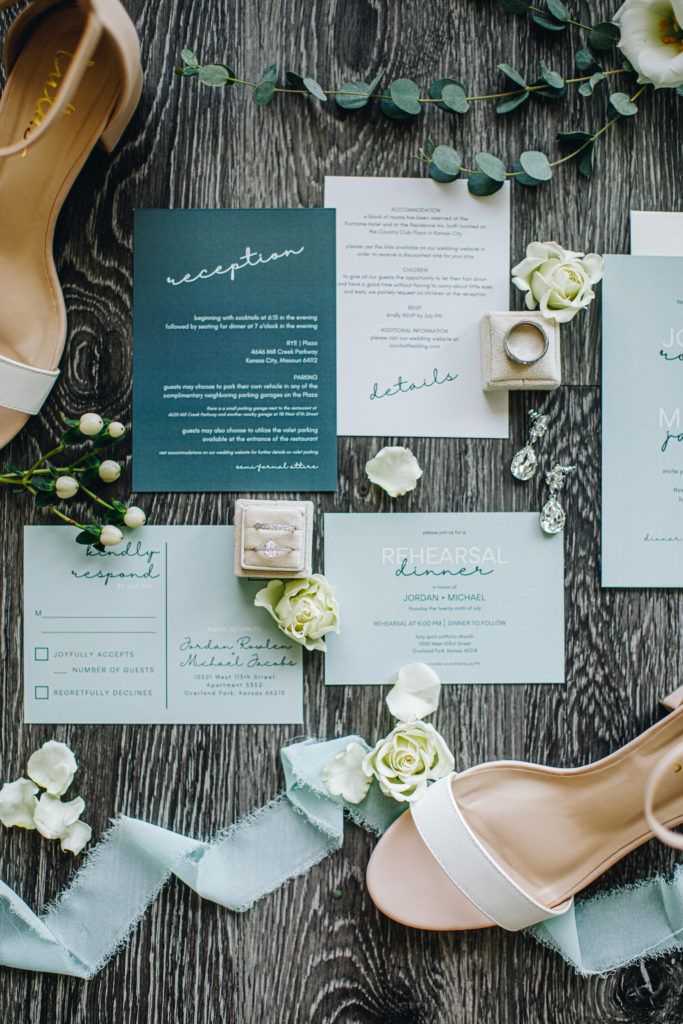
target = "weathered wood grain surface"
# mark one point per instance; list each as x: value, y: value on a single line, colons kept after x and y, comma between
x: 301, y: 955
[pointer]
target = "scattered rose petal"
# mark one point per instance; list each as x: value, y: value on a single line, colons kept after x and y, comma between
x: 415, y: 694
x: 395, y: 470
x: 53, y: 767
x: 344, y: 776
x: 76, y: 837
x: 54, y: 816
x: 18, y: 804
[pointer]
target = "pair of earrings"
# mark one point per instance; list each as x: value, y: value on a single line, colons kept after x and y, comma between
x: 525, y: 463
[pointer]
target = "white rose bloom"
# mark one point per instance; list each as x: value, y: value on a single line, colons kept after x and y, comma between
x: 76, y: 837
x: 109, y: 471
x: 395, y: 469
x: 116, y: 429
x: 53, y: 767
x: 110, y: 535
x: 408, y: 759
x: 415, y: 694
x: 90, y: 424
x: 66, y: 486
x: 344, y: 776
x: 53, y: 817
x: 557, y: 281
x: 305, y: 610
x: 652, y: 40
x: 18, y: 804
x: 134, y: 517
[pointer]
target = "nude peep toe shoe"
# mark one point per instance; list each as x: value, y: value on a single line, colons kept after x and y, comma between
x: 73, y: 78
x: 509, y: 843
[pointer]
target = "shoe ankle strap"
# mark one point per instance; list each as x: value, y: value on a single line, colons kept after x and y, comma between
x: 87, y: 45
x: 671, y: 763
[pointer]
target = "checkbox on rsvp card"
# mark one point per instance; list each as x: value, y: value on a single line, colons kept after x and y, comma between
x: 41, y: 692
x: 41, y: 654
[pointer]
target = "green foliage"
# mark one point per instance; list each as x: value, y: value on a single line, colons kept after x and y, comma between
x: 479, y: 184
x: 405, y: 95
x: 586, y: 88
x: 491, y: 166
x: 622, y: 104
x: 445, y: 163
x: 265, y: 90
x: 604, y: 36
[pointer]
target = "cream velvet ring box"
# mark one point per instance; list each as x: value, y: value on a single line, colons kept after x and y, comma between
x: 525, y: 333
x: 273, y: 539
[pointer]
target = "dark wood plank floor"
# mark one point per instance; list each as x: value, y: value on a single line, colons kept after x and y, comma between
x: 302, y: 955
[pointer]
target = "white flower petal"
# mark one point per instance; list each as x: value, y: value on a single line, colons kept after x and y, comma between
x: 344, y: 776
x: 395, y: 469
x: 53, y: 767
x: 643, y: 40
x: 18, y: 804
x: 76, y: 837
x: 53, y: 816
x: 415, y: 694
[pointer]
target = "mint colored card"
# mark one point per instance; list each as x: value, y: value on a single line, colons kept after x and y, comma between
x: 234, y: 353
x: 157, y: 629
x: 642, y: 422
x: 477, y: 596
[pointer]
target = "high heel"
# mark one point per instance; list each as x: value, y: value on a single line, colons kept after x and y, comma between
x: 74, y: 78
x: 510, y: 843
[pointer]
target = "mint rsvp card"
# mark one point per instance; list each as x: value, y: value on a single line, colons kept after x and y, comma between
x: 642, y: 422
x: 477, y: 596
x: 234, y: 353
x: 156, y: 630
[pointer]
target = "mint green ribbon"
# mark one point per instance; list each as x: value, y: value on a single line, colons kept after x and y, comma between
x: 126, y: 870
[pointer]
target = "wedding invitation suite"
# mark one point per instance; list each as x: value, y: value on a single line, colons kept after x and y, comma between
x: 642, y: 422
x: 478, y: 596
x: 656, y: 234
x: 418, y: 266
x: 155, y: 630
x: 234, y: 351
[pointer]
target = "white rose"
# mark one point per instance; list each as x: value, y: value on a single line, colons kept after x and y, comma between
x: 134, y: 517
x: 18, y: 804
x: 53, y: 767
x: 66, y: 486
x: 109, y: 471
x: 556, y: 280
x: 110, y: 535
x: 90, y: 424
x: 53, y: 817
x: 305, y: 610
x: 116, y: 429
x: 408, y: 759
x: 652, y: 40
x: 395, y: 470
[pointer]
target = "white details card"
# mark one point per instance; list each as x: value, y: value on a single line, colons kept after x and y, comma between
x: 418, y: 265
x: 155, y: 630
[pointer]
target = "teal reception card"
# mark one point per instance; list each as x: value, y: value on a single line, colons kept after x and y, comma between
x: 642, y: 422
x: 157, y: 629
x: 234, y: 354
x: 477, y: 596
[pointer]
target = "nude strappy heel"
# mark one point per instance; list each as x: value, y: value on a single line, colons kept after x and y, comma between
x: 509, y: 843
x: 73, y: 78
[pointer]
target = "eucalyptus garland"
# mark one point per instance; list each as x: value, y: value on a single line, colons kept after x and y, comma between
x: 404, y: 100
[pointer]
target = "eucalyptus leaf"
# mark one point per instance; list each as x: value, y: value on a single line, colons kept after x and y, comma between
x: 265, y: 90
x: 295, y: 80
x: 187, y: 72
x: 480, y: 184
x: 511, y: 103
x: 214, y: 75
x: 586, y: 88
x: 536, y: 165
x: 376, y: 80
x: 553, y: 78
x: 604, y: 35
x: 622, y: 104
x: 522, y: 178
x: 515, y: 6
x: 549, y: 24
x: 445, y: 164
x: 435, y: 90
x: 454, y: 98
x: 353, y: 95
x: 389, y: 108
x: 586, y: 161
x: 512, y: 74
x: 573, y: 138
x: 679, y: 90
x: 585, y: 61
x: 558, y: 10
x: 189, y: 57
x: 405, y: 94
x: 315, y: 89
x: 491, y: 166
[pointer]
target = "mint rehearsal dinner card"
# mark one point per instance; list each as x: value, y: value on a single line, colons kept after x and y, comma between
x: 642, y: 422
x: 234, y: 351
x: 418, y: 266
x: 477, y: 596
x: 155, y: 630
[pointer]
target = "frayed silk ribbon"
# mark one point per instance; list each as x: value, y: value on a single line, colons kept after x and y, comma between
x: 125, y: 871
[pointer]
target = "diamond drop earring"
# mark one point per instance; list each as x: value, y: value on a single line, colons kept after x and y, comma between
x: 553, y: 516
x: 525, y: 462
